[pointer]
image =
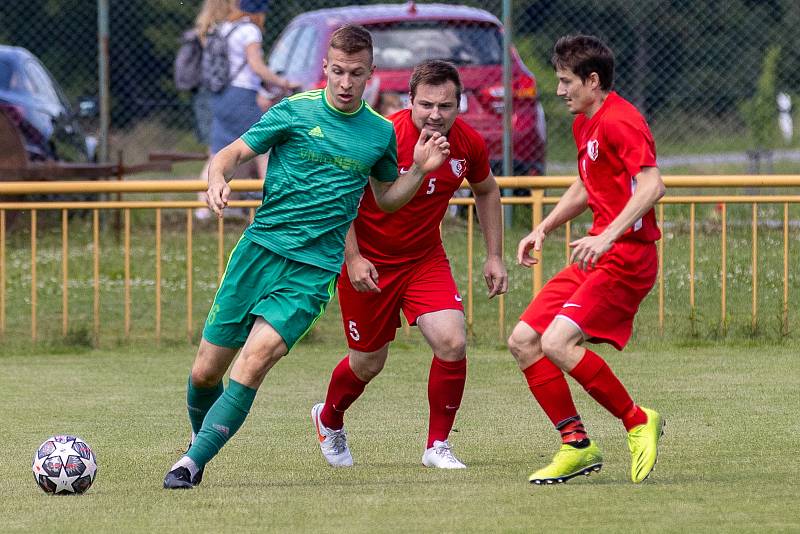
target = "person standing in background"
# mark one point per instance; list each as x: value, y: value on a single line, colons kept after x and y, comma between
x: 236, y: 108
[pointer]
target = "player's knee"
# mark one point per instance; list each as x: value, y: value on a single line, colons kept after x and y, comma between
x: 369, y: 369
x: 204, y: 377
x: 553, y: 347
x: 452, y: 348
x: 523, y: 347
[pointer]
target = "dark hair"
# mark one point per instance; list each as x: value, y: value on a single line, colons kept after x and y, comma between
x: 435, y: 72
x: 583, y: 55
x: 352, y: 39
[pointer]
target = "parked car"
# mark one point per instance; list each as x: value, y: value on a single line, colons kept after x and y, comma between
x: 35, y: 104
x: 405, y: 34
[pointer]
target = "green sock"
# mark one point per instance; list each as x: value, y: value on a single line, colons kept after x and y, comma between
x: 221, y: 423
x: 199, y: 401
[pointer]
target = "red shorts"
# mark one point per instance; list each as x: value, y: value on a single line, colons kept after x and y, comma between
x: 372, y: 319
x: 602, y: 301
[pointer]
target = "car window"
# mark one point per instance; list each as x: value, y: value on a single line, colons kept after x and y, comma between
x: 304, y: 51
x: 7, y: 78
x: 403, y: 45
x: 41, y: 84
x: 279, y: 57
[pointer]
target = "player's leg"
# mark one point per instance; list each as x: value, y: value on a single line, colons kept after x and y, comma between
x: 578, y: 455
x: 370, y: 321
x: 348, y: 380
x: 445, y: 332
x: 264, y: 347
x: 608, y: 302
x: 432, y: 302
x: 205, y: 381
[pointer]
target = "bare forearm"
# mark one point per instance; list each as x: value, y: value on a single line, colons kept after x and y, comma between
x: 572, y: 203
x: 489, y: 215
x: 351, y: 244
x: 649, y: 189
x: 225, y: 162
x: 394, y: 196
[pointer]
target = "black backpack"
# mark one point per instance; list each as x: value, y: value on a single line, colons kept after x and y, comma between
x: 216, y: 63
x: 188, y: 73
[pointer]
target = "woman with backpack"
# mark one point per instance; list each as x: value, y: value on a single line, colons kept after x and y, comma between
x: 234, y: 106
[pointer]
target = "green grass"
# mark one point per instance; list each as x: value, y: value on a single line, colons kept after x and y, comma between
x: 728, y: 460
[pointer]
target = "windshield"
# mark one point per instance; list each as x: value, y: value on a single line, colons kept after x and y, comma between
x: 7, y: 78
x: 402, y: 45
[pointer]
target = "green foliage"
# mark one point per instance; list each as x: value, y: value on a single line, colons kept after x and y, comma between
x: 760, y: 112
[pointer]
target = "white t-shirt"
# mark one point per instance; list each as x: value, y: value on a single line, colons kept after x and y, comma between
x: 243, y: 35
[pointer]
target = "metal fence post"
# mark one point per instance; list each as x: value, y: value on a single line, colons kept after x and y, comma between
x: 103, y: 84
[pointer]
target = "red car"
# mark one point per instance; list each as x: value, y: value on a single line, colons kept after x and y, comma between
x: 405, y: 34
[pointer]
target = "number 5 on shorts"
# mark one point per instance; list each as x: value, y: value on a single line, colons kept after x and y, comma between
x: 353, y: 331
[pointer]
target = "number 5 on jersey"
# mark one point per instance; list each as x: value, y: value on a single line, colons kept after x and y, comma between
x: 431, y: 186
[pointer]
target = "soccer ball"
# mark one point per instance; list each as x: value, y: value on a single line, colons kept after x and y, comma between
x: 64, y: 465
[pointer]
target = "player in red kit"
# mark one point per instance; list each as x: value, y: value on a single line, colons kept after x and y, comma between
x: 396, y: 262
x: 612, y: 269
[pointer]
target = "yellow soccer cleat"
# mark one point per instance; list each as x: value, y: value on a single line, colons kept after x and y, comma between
x: 643, y: 444
x: 568, y: 463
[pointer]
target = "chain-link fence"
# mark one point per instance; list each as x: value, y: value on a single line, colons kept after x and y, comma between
x: 705, y: 74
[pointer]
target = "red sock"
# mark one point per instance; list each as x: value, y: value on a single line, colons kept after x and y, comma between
x: 597, y: 378
x: 345, y: 387
x: 445, y: 390
x: 550, y: 389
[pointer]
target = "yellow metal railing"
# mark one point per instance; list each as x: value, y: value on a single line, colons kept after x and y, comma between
x: 537, y: 200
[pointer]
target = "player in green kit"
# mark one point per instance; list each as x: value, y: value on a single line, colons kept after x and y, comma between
x: 325, y: 146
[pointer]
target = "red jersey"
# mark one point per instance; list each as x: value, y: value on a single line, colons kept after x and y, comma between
x: 412, y: 232
x: 613, y: 146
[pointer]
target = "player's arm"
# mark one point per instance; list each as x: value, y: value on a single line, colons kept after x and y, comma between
x: 571, y: 204
x: 362, y: 273
x: 649, y: 188
x: 429, y: 153
x: 221, y: 170
x: 487, y: 204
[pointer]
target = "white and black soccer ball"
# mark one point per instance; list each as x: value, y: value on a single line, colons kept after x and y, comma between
x: 64, y: 465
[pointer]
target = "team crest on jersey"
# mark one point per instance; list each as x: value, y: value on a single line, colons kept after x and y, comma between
x: 593, y: 149
x: 458, y: 166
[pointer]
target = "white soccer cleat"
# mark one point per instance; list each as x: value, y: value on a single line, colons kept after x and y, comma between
x: 332, y: 443
x: 441, y: 456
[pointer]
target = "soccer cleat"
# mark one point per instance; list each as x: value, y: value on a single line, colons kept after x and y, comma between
x: 643, y: 444
x: 198, y: 478
x: 332, y: 443
x: 568, y: 463
x: 441, y: 456
x: 180, y: 478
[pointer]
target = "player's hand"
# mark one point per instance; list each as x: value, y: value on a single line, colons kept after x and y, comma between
x: 494, y: 272
x: 587, y: 251
x: 218, y: 194
x: 431, y: 150
x: 532, y: 241
x: 363, y: 275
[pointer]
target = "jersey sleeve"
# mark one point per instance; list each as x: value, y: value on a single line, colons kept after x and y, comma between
x: 385, y: 169
x: 479, y: 164
x: 633, y: 144
x: 272, y: 129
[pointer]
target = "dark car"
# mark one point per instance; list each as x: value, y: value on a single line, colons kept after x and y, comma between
x: 34, y: 103
x: 405, y: 34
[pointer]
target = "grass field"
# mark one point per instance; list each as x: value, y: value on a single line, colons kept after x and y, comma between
x: 728, y: 460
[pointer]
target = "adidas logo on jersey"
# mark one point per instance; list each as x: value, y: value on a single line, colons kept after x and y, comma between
x: 316, y: 131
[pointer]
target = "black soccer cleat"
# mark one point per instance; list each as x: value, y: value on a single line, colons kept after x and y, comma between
x: 179, y: 478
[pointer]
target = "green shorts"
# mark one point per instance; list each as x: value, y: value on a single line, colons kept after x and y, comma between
x: 289, y: 295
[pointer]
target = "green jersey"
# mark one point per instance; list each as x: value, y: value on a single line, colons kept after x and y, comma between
x: 320, y: 162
